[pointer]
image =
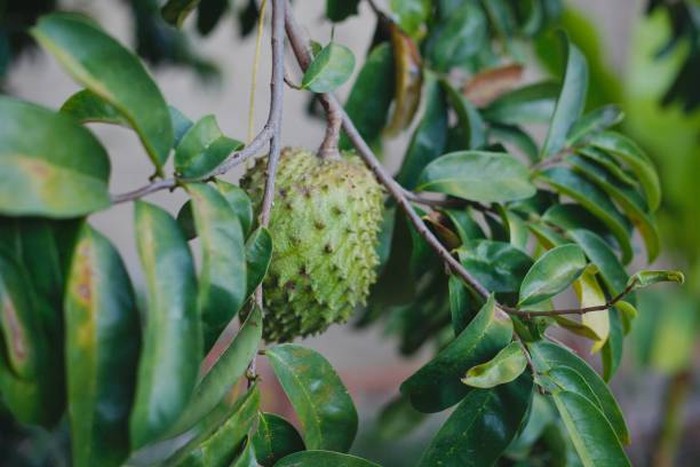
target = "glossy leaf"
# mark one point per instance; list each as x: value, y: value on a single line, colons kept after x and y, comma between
x: 506, y: 366
x: 595, y: 201
x: 594, y: 122
x: 599, y: 253
x: 592, y: 435
x: 326, y: 412
x: 176, y: 11
x: 472, y: 129
x: 478, y: 176
x: 464, y: 224
x: 627, y: 151
x: 607, y: 162
x: 461, y: 37
x: 224, y: 373
x: 571, y: 101
x: 611, y: 353
x: 436, y: 386
x: 323, y: 459
x: 411, y: 15
x: 102, y: 345
x: 460, y: 309
x: 172, y: 342
x: 553, y: 272
x: 106, y: 68
x: 239, y: 201
x: 86, y: 106
x: 569, y: 372
x: 646, y: 278
x: 181, y: 124
x: 60, y: 171
x: 202, y: 148
x: 247, y: 458
x: 533, y: 103
x: 217, y: 446
x: 481, y: 427
x: 222, y: 279
x: 274, y: 439
x: 398, y: 418
x: 498, y: 266
x: 258, y: 254
x: 331, y: 67
x: 517, y: 137
x: 409, y: 80
x: 371, y: 95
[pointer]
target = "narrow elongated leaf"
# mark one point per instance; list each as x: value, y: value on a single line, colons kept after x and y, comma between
x: 478, y: 176
x: 217, y: 447
x: 109, y: 70
x: 227, y: 369
x: 457, y: 40
x: 409, y: 79
x: 176, y: 11
x: 258, y: 254
x: 571, y: 373
x: 553, y: 272
x: 331, y: 67
x: 436, y: 386
x: 530, y: 104
x: 646, y: 278
x: 239, y: 201
x: 202, y: 148
x: 627, y: 151
x: 274, y: 439
x: 592, y: 435
x: 326, y: 412
x: 595, y: 201
x: 102, y: 344
x: 517, y: 137
x: 222, y: 280
x: 593, y: 122
x: 323, y: 459
x: 611, y: 354
x: 60, y: 171
x: 571, y: 101
x: 460, y: 309
x: 472, y: 128
x: 180, y: 124
x: 507, y: 365
x: 371, y: 95
x: 481, y: 427
x: 172, y: 344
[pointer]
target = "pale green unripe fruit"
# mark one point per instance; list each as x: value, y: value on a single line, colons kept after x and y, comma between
x: 324, y: 224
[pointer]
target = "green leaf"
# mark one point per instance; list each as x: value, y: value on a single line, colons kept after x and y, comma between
x: 464, y: 224
x: 326, y: 412
x: 571, y: 101
x: 533, y: 103
x: 590, y: 294
x: 460, y: 37
x: 247, y: 458
x: 498, y: 266
x: 258, y: 254
x: 180, y: 124
x: 571, y: 373
x: 429, y: 138
x: 224, y: 373
x: 411, y: 15
x: 49, y: 164
x: 318, y: 458
x: 481, y: 427
x: 102, y: 346
x: 517, y: 137
x: 109, y: 70
x: 594, y: 122
x: 202, y: 148
x: 553, y: 272
x: 217, y: 446
x: 222, y: 280
x: 86, y: 107
x: 460, y: 310
x: 646, y: 278
x: 594, y: 200
x: 627, y: 151
x: 592, y: 435
x: 606, y: 161
x: 176, y: 11
x: 239, y: 201
x: 340, y: 10
x: 371, y: 95
x: 172, y: 343
x: 599, y: 253
x: 478, y: 176
x: 274, y: 439
x: 472, y: 127
x: 331, y: 67
x: 436, y: 386
x: 506, y: 366
x: 611, y: 354
x: 398, y: 418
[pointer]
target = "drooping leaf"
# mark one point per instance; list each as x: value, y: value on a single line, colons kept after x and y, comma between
x: 209, y: 14
x: 102, y: 344
x: 646, y: 278
x: 482, y: 426
x: 478, y: 176
x: 436, y: 386
x: 471, y: 127
x: 86, y: 106
x: 172, y: 342
x: 202, y: 148
x: 331, y: 67
x: 57, y: 170
x: 517, y: 137
x: 239, y: 201
x: 319, y: 458
x: 460, y: 309
x: 553, y: 272
x: 181, y: 124
x: 611, y: 353
x: 533, y: 103
x: 176, y: 11
x: 599, y: 253
x: 506, y: 366
x: 109, y: 70
x: 590, y: 294
x: 326, y: 412
x: 274, y: 439
x: 371, y: 95
x: 571, y: 101
x: 458, y: 39
x: 409, y: 80
x: 498, y: 266
x: 593, y: 122
x: 608, y: 163
x: 340, y: 10
x: 224, y: 373
x: 222, y: 280
x: 258, y: 254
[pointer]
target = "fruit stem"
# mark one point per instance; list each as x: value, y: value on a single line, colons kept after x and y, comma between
x: 329, y: 147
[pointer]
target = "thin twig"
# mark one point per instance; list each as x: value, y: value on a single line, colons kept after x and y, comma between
x: 152, y: 187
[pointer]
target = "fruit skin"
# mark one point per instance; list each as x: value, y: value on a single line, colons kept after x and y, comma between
x: 324, y: 224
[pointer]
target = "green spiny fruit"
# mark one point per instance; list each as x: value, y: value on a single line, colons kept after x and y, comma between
x: 324, y: 225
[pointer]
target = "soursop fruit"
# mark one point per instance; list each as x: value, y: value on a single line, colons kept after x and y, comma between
x: 324, y: 224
